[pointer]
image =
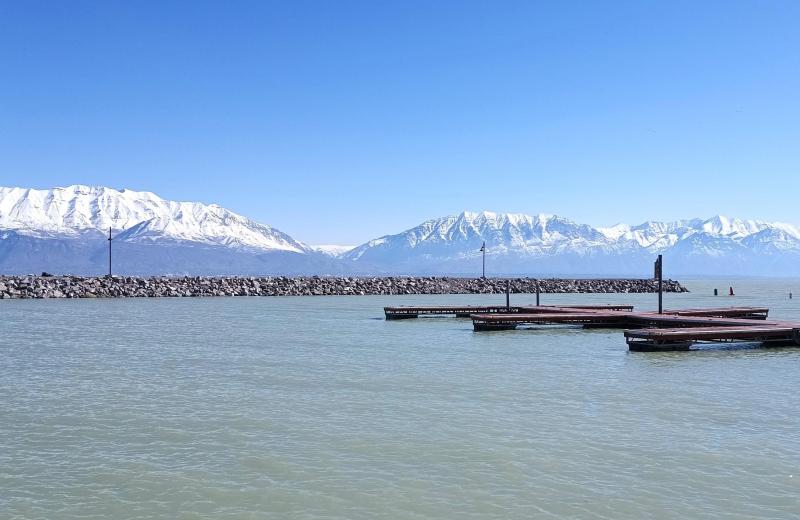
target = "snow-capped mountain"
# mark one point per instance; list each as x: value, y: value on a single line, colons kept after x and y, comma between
x: 65, y: 230
x: 548, y: 244
x: 133, y: 215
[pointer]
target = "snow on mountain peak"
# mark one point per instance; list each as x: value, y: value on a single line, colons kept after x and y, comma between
x: 722, y: 225
x: 614, y: 232
x: 133, y: 215
x: 518, y: 241
x: 463, y: 234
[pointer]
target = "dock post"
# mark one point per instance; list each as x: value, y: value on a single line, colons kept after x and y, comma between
x: 508, y: 294
x: 660, y: 277
x: 716, y: 292
x: 537, y: 292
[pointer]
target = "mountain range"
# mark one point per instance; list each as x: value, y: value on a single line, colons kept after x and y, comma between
x: 65, y: 230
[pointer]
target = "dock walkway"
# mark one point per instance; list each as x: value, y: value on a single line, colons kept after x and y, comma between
x: 651, y: 340
x: 466, y: 311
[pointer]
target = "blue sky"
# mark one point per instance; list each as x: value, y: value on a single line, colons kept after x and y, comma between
x: 341, y: 121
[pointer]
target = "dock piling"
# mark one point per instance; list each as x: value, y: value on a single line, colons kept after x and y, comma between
x: 660, y: 277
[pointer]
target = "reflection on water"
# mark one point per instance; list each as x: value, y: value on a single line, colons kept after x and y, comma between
x: 313, y: 408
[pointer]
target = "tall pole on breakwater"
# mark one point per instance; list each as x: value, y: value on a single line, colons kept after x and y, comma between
x: 483, y: 250
x: 109, y: 252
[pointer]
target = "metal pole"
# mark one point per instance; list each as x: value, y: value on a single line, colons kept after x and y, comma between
x: 109, y: 252
x: 508, y: 294
x: 537, y: 293
x: 484, y: 260
x: 660, y: 273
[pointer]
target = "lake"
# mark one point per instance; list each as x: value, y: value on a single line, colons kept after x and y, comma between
x: 317, y: 408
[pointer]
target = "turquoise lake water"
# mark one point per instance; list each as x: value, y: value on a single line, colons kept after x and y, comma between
x: 317, y: 408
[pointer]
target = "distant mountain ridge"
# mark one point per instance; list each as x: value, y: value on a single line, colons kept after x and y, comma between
x: 135, y: 215
x: 64, y: 230
x: 549, y: 244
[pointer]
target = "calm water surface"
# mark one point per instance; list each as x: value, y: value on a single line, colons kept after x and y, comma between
x: 308, y: 408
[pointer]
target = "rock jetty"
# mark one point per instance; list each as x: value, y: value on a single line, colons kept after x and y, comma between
x: 135, y: 287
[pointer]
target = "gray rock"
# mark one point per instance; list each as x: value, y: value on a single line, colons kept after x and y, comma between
x: 89, y: 287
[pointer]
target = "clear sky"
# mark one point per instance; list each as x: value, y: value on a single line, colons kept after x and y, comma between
x: 339, y: 121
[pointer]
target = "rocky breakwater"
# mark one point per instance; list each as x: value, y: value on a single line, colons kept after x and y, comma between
x: 134, y: 287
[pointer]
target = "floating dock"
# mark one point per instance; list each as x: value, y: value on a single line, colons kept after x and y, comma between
x: 654, y: 340
x: 404, y: 313
x: 466, y: 311
x: 646, y: 331
x: 752, y: 313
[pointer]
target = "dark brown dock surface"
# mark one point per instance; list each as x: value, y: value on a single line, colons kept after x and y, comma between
x: 677, y: 329
x: 651, y: 340
x: 567, y: 316
x: 755, y: 313
x: 465, y: 311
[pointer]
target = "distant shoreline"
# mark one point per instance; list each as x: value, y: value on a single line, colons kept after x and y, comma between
x: 42, y: 287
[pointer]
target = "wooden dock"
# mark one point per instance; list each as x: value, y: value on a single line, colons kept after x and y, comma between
x: 404, y: 313
x: 567, y: 316
x: 466, y: 311
x: 654, y: 340
x: 753, y: 313
x: 678, y: 329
